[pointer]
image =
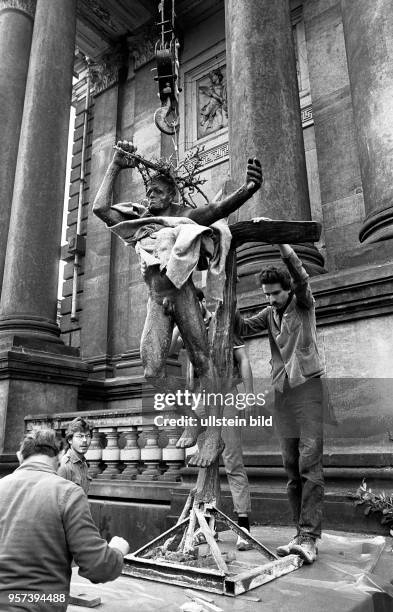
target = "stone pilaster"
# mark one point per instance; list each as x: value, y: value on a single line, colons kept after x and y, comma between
x: 29, y: 296
x: 368, y: 30
x: 95, y: 317
x: 16, y: 28
x: 262, y: 82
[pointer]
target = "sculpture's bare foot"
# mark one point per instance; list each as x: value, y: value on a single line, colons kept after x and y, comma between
x: 189, y: 436
x: 211, y: 447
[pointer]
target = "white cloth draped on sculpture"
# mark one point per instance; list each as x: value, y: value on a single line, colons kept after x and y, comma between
x: 178, y: 245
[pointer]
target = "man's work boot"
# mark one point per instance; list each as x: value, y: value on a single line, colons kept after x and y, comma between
x: 306, y: 548
x: 242, y: 543
x: 285, y: 549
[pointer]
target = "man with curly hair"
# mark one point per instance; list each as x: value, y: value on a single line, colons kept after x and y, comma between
x: 298, y: 398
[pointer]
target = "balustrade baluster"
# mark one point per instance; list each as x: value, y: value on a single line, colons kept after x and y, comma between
x: 94, y: 454
x: 111, y: 453
x: 151, y: 453
x: 130, y: 454
x: 173, y: 457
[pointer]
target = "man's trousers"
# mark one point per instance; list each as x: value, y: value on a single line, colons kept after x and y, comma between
x: 233, y: 462
x: 298, y: 418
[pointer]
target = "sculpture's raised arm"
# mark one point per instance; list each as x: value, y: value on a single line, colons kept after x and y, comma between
x: 206, y: 215
x: 102, y: 205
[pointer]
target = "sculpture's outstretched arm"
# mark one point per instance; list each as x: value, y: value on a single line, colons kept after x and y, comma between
x: 206, y: 215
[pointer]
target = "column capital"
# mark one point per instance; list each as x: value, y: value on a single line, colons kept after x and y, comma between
x: 104, y: 73
x: 25, y: 6
x: 141, y: 45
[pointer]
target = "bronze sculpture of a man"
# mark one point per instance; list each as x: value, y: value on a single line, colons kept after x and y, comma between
x: 168, y: 304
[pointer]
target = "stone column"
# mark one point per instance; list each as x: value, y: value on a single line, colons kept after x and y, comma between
x: 29, y: 296
x: 262, y: 82
x: 38, y: 373
x: 335, y: 138
x: 16, y: 28
x: 368, y: 31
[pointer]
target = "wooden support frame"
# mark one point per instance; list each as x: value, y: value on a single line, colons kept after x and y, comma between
x: 157, y: 559
x: 224, y: 579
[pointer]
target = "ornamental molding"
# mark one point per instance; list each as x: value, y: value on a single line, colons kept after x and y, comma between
x: 215, y: 155
x: 142, y: 45
x: 102, y: 13
x: 307, y: 116
x: 105, y: 72
x: 25, y: 6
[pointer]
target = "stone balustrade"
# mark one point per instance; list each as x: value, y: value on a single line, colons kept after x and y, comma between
x: 125, y: 445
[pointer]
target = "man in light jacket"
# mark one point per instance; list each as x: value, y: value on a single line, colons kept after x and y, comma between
x: 298, y: 406
x: 45, y: 523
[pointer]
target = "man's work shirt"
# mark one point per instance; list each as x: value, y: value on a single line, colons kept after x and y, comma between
x: 74, y: 468
x: 293, y: 338
x: 45, y: 522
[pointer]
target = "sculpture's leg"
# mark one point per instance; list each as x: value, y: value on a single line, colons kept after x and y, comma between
x: 156, y: 341
x: 155, y: 344
x: 221, y: 357
x: 189, y: 319
x: 157, y: 331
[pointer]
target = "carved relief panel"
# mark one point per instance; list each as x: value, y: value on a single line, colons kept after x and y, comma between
x: 205, y: 109
x: 212, y: 106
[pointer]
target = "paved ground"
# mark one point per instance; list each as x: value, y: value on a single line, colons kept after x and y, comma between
x: 352, y: 574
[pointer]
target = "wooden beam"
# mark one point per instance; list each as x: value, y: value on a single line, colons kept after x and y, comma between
x: 240, y: 532
x: 215, y: 551
x: 275, y: 231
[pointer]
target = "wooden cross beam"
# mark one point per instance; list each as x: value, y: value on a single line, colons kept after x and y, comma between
x: 275, y: 231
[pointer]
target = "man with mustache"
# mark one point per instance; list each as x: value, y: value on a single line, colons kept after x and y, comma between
x: 298, y: 408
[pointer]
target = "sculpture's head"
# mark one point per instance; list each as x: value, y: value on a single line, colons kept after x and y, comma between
x: 160, y: 193
x: 216, y: 76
